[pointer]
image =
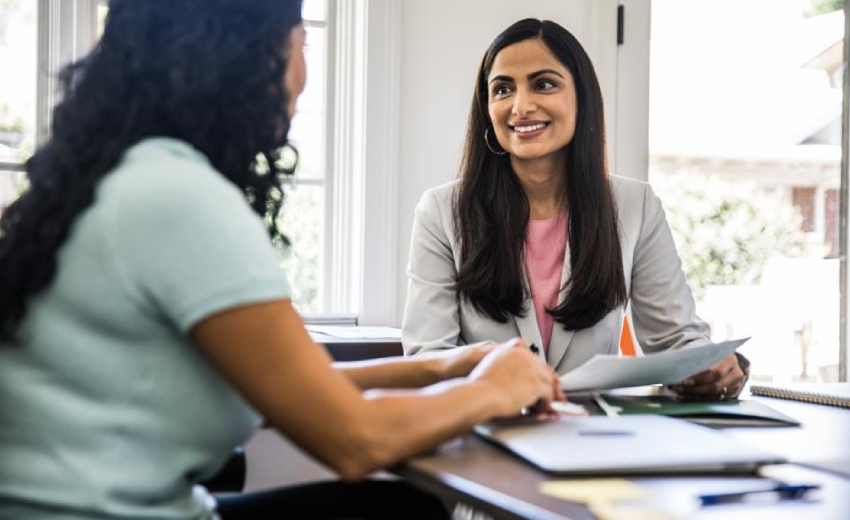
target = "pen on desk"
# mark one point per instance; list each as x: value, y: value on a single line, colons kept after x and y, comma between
x: 539, y: 404
x: 784, y: 491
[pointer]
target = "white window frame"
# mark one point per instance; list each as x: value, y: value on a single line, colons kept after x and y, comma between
x: 844, y: 207
x: 340, y: 316
x: 363, y: 158
x: 67, y: 30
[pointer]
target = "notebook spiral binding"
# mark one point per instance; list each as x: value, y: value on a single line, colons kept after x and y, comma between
x: 824, y: 397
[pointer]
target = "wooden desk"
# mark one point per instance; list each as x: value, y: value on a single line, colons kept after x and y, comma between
x: 472, y: 471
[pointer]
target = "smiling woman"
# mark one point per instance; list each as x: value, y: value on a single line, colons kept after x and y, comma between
x: 536, y: 232
x: 533, y: 75
x: 532, y: 95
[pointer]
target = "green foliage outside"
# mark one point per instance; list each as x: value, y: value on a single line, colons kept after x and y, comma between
x: 301, y: 219
x: 825, y: 6
x: 9, y: 122
x: 726, y: 231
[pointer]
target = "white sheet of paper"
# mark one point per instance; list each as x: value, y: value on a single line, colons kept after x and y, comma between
x: 603, y: 372
x: 348, y: 332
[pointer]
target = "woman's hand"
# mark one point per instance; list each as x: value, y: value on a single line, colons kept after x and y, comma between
x: 518, y: 376
x: 459, y: 362
x: 720, y: 382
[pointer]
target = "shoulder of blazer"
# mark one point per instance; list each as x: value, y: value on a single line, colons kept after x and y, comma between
x: 435, y: 211
x: 629, y: 195
x: 437, y: 203
x: 443, y: 194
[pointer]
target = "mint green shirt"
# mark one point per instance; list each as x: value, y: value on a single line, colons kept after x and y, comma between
x: 107, y: 409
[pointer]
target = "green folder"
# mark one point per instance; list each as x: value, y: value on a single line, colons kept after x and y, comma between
x: 733, y: 412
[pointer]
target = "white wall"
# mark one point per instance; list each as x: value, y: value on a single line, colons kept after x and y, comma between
x: 631, y: 128
x: 442, y: 43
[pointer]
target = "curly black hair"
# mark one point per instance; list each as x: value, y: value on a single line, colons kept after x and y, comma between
x: 208, y: 72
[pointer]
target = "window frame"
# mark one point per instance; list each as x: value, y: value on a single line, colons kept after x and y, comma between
x: 67, y: 30
x: 363, y: 159
x: 325, y: 182
x: 844, y: 228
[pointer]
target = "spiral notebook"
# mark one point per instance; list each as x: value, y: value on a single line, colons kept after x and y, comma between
x: 830, y: 394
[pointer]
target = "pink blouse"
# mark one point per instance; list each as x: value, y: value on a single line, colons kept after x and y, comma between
x: 543, y: 255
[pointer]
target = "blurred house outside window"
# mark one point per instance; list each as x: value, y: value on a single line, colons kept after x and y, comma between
x: 745, y: 153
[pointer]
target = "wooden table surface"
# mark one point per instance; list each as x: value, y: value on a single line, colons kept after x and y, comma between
x: 473, y: 471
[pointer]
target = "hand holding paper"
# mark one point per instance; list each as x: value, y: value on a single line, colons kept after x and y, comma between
x: 604, y: 372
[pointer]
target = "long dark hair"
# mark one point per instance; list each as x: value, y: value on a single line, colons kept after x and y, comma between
x: 491, y: 210
x: 209, y: 72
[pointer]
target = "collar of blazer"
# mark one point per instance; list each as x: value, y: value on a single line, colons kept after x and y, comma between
x: 527, y: 325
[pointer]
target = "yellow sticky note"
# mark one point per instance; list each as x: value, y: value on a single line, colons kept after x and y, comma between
x: 608, y: 511
x: 593, y: 490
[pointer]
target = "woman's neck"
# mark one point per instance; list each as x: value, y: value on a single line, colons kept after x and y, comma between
x: 543, y: 182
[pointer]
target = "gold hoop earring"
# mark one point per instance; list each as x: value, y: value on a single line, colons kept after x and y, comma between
x: 489, y: 146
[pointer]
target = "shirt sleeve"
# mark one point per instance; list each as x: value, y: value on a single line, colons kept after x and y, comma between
x: 663, y: 306
x: 189, y: 245
x: 431, y: 314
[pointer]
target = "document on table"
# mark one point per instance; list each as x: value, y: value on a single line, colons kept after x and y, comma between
x: 349, y: 332
x: 604, y: 372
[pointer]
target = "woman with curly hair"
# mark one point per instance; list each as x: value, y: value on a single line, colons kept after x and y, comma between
x: 536, y: 239
x: 145, y: 325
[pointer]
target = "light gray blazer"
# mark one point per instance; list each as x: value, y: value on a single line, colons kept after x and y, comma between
x: 662, y: 306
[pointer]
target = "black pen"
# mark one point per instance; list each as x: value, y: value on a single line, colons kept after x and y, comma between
x: 783, y: 491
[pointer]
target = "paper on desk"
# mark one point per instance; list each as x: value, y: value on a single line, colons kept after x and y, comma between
x: 603, y: 372
x: 593, y: 490
x: 349, y: 332
x: 609, y: 511
x: 605, y: 497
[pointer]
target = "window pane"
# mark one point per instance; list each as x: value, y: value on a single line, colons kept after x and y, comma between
x: 307, y: 135
x: 313, y: 97
x: 102, y: 11
x: 18, y: 59
x: 308, y: 126
x: 313, y: 10
x: 11, y: 185
x: 745, y: 153
x: 303, y: 221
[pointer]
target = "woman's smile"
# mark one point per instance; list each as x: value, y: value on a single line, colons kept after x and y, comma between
x: 529, y: 129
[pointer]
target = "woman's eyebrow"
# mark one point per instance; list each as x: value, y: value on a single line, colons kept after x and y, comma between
x: 530, y: 76
x: 509, y: 79
x: 544, y: 71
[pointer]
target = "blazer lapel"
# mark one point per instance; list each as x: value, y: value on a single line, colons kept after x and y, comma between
x: 561, y: 338
x: 527, y: 325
